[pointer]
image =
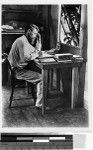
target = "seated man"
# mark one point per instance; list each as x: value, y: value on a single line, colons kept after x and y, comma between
x: 21, y: 57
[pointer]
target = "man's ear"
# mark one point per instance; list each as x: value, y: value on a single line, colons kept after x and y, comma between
x: 29, y: 31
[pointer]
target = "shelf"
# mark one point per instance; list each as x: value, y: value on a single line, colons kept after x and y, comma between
x: 17, y: 11
x: 12, y: 33
x: 17, y: 31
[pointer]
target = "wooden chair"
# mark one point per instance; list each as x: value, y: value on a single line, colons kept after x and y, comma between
x: 30, y: 84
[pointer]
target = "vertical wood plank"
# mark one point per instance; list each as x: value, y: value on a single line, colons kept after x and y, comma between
x: 83, y: 47
x: 82, y: 71
x: 58, y: 79
x: 48, y: 80
x: 74, y: 89
x: 45, y: 85
x: 61, y: 81
x: 51, y: 71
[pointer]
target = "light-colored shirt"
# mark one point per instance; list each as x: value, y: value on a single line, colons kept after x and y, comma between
x: 22, y: 51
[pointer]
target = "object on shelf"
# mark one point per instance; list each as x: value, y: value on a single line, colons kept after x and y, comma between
x: 7, y: 27
x: 13, y: 27
x: 10, y: 29
x: 13, y: 23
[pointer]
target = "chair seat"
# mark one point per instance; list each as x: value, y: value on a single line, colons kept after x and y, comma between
x: 28, y: 75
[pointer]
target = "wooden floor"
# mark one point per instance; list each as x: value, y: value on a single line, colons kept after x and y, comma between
x: 23, y: 114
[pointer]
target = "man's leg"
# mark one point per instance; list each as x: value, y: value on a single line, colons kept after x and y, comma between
x: 36, y: 89
x: 39, y: 94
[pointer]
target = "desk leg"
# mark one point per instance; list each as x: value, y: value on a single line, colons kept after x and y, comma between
x: 74, y: 89
x: 45, y: 84
x: 58, y: 79
x: 51, y: 79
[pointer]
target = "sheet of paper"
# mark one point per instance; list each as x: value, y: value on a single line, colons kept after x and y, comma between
x: 47, y: 60
x: 45, y: 55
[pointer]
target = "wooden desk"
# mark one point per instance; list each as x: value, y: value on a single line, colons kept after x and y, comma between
x: 75, y: 65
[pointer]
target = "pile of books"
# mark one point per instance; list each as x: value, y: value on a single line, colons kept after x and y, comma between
x: 77, y: 58
x: 64, y: 57
x: 68, y: 57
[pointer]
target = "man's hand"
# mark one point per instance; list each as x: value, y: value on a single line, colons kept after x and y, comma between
x: 40, y: 54
x: 51, y: 51
x: 39, y: 37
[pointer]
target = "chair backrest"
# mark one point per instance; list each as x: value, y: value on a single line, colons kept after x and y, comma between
x: 5, y: 59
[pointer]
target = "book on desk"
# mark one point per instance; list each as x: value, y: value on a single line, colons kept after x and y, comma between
x: 68, y: 57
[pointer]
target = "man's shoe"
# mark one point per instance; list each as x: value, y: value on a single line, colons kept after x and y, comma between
x: 46, y: 108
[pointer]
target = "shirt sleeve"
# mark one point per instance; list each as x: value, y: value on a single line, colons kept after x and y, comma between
x: 26, y: 52
x: 30, y: 52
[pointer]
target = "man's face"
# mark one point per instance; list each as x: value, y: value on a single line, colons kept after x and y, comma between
x: 33, y: 34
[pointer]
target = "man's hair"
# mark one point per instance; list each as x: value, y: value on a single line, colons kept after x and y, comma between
x: 31, y: 27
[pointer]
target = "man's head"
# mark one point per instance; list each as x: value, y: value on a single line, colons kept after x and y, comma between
x: 32, y: 31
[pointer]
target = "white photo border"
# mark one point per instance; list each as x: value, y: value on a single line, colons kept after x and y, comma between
x: 54, y: 130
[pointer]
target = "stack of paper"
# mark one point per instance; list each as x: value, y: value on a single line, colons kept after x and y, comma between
x: 47, y: 60
x: 45, y: 55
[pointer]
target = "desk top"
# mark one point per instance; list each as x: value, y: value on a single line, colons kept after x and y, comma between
x: 61, y: 64
x: 47, y: 61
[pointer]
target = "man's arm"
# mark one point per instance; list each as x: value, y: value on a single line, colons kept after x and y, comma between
x: 38, y: 43
x: 27, y: 53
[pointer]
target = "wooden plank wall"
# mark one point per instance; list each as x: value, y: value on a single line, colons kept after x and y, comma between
x: 83, y: 47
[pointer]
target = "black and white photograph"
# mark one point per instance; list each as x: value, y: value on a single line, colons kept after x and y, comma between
x: 44, y: 58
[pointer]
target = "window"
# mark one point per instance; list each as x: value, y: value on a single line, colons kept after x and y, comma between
x: 70, y: 24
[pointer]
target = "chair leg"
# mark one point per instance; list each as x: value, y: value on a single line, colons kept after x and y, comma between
x: 11, y: 97
x: 34, y: 92
x: 28, y: 88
